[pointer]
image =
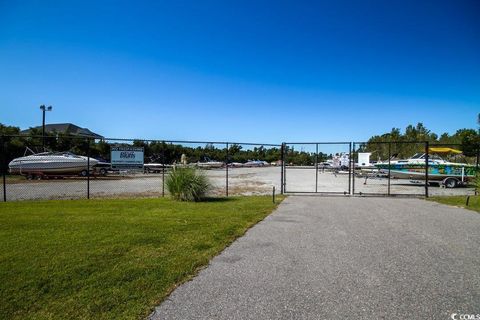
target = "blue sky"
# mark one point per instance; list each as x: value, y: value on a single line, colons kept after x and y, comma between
x: 252, y: 71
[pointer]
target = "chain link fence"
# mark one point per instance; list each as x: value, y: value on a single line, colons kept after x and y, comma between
x: 66, y: 167
x: 69, y: 167
x: 413, y: 169
x: 317, y: 167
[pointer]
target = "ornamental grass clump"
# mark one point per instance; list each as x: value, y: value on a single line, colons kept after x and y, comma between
x: 187, y: 184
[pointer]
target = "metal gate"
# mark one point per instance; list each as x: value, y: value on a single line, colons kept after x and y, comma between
x: 317, y: 167
x: 389, y: 176
x: 381, y: 168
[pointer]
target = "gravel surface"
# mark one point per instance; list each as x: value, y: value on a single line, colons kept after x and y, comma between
x: 342, y: 258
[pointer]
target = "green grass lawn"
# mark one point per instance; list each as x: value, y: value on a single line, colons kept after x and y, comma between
x: 459, y: 201
x: 110, y: 259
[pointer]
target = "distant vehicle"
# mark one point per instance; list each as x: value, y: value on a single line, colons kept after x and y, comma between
x: 102, y: 167
x: 235, y: 164
x: 325, y: 165
x: 53, y: 163
x: 209, y: 164
x: 256, y: 163
x: 155, y: 167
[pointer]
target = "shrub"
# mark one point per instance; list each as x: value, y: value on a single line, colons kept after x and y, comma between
x: 187, y: 184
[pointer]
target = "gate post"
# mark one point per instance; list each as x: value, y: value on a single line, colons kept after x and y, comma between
x: 163, y: 168
x: 88, y: 168
x: 426, y: 168
x: 226, y: 173
x: 282, y: 169
x: 389, y: 163
x: 353, y: 173
x: 477, y: 173
x: 316, y: 167
x: 350, y: 167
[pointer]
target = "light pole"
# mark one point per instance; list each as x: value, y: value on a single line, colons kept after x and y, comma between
x: 43, y: 108
x: 478, y: 122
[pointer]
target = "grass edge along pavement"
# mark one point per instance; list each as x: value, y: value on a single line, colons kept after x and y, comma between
x: 459, y: 201
x: 111, y: 259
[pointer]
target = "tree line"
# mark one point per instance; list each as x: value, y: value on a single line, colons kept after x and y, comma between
x: 402, y: 143
x: 15, y: 145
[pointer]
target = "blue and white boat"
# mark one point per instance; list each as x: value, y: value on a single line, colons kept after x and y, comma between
x: 449, y: 174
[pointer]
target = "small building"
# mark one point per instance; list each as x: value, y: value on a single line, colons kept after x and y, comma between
x: 68, y: 128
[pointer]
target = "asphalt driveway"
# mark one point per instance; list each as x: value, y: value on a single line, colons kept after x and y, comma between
x: 342, y: 258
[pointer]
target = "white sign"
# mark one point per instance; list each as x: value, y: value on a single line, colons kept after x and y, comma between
x: 126, y: 157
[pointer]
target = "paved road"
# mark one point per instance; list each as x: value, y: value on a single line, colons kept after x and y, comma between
x: 342, y: 258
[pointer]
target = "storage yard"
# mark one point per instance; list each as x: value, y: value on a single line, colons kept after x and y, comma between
x: 241, y: 181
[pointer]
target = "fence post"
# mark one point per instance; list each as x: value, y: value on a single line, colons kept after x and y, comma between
x: 282, y: 172
x: 477, y: 167
x: 4, y: 168
x: 350, y: 167
x: 426, y: 168
x: 226, y: 173
x: 163, y: 168
x: 88, y: 168
x: 353, y: 172
x: 478, y: 155
x: 389, y: 162
x: 316, y: 167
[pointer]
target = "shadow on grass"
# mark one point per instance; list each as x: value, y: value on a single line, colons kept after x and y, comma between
x: 217, y: 199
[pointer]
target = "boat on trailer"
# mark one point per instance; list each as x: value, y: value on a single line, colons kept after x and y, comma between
x: 155, y: 167
x: 52, y: 163
x: 448, y: 174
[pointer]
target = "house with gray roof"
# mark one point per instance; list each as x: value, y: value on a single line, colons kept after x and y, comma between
x: 68, y: 128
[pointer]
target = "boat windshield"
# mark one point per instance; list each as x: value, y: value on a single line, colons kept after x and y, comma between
x: 64, y: 154
x: 423, y: 155
x: 434, y: 157
x: 418, y: 156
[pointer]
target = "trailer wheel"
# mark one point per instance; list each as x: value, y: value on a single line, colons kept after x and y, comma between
x: 103, y: 171
x: 450, y: 182
x: 83, y: 173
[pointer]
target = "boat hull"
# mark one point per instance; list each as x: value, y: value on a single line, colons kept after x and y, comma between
x: 435, y: 171
x: 44, y: 165
x: 210, y: 165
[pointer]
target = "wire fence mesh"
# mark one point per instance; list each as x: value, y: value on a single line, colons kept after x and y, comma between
x: 413, y: 168
x: 318, y: 167
x: 72, y: 167
x: 34, y: 174
x: 35, y: 168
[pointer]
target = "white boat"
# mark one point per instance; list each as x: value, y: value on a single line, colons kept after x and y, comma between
x: 51, y: 163
x: 155, y: 167
x: 209, y: 164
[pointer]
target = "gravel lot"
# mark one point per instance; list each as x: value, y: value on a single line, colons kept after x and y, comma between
x: 342, y: 258
x: 244, y: 181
